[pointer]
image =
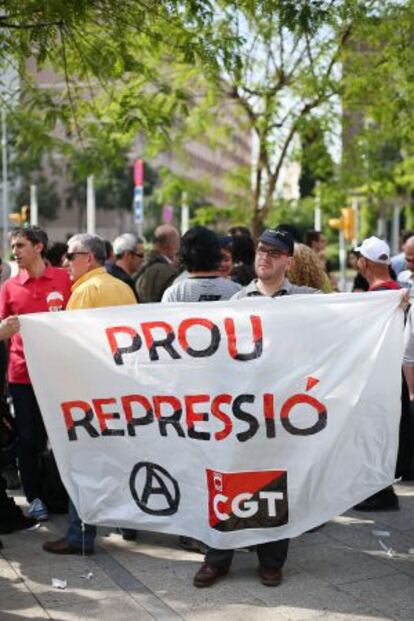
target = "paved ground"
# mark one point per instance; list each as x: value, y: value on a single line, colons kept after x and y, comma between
x: 344, y: 572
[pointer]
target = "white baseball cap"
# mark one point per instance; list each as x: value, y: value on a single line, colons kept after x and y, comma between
x: 375, y: 249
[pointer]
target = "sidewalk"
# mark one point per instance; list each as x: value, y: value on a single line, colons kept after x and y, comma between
x: 341, y: 573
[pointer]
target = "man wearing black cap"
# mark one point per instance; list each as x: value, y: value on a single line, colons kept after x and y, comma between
x: 272, y: 261
x: 273, y: 258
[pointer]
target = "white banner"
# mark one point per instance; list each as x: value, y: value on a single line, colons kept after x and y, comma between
x: 232, y: 422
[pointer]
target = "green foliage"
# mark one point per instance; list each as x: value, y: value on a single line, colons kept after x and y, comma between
x: 377, y: 100
x: 174, y: 189
x: 296, y: 212
x: 164, y: 69
x: 217, y: 217
x: 316, y: 162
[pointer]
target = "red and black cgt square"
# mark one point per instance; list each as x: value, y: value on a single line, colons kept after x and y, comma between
x: 241, y: 500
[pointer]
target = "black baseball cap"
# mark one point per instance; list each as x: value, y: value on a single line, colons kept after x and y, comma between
x: 278, y: 239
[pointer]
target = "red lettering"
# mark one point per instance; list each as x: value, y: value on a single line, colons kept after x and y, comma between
x: 257, y: 339
x: 173, y: 419
x: 215, y: 337
x: 164, y: 343
x: 308, y: 400
x: 84, y: 422
x: 269, y: 414
x: 117, y: 351
x: 218, y: 413
x: 193, y: 417
x: 127, y: 402
x: 103, y: 417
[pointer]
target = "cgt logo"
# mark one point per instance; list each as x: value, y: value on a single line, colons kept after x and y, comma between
x: 240, y: 500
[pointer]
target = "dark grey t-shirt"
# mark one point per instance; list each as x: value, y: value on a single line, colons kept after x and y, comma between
x: 287, y: 288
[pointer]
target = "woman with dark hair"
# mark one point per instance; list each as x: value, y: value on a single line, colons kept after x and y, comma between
x: 201, y: 256
x: 226, y: 250
x: 243, y: 258
x: 56, y: 254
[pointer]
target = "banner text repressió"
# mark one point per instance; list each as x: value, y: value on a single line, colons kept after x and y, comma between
x: 191, y: 415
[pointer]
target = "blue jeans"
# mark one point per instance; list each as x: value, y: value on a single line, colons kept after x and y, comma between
x: 74, y: 535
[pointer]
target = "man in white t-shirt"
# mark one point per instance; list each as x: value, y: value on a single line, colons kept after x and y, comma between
x: 201, y: 256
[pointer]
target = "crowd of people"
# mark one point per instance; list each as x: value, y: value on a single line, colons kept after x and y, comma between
x: 201, y: 266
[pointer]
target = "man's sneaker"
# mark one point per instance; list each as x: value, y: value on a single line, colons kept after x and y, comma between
x: 37, y: 510
x: 18, y: 522
x: 385, y: 500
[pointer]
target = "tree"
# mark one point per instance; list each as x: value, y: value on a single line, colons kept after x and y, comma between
x: 134, y: 67
x: 378, y: 115
x: 109, y: 78
x: 284, y: 67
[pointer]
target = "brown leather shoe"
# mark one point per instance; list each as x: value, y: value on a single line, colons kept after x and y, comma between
x: 61, y: 546
x: 208, y: 575
x: 269, y: 576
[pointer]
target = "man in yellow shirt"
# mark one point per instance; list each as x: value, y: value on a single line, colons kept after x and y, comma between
x: 92, y: 287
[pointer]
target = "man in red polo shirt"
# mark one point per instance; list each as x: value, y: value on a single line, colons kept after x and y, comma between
x: 37, y: 288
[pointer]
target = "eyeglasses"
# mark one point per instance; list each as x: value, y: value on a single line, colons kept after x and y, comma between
x: 141, y: 255
x: 71, y: 255
x: 271, y: 252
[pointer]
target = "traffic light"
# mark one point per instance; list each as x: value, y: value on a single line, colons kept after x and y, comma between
x: 25, y: 211
x: 335, y: 223
x: 21, y: 217
x: 16, y: 218
x: 348, y: 218
x: 346, y: 223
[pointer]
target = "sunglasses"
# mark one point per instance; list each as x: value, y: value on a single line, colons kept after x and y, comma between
x: 71, y: 255
x: 141, y: 255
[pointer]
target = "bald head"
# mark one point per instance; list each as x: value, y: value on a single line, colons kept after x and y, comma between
x: 166, y: 240
x: 409, y: 253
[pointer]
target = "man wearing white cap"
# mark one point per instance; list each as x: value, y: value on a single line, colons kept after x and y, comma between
x: 373, y: 263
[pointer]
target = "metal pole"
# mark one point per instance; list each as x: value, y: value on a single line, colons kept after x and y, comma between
x: 317, y: 213
x: 355, y: 207
x: 381, y: 223
x: 5, y: 192
x: 90, y: 206
x: 185, y: 215
x: 342, y: 261
x: 34, y: 217
x: 395, y: 229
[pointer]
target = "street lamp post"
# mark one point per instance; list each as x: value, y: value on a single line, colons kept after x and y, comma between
x: 5, y: 192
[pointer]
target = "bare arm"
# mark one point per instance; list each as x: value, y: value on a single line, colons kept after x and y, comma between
x: 8, y: 327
